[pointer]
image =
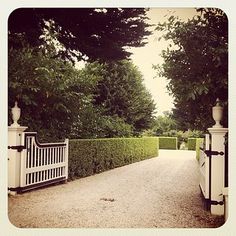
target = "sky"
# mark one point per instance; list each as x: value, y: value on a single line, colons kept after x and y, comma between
x: 145, y: 57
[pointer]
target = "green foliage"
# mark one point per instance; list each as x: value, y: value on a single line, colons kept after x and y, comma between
x: 82, y: 33
x: 182, y: 136
x: 195, y: 144
x: 59, y: 101
x: 91, y: 156
x: 195, y: 134
x: 163, y: 124
x: 196, y: 66
x: 50, y: 92
x: 199, y: 142
x: 192, y: 143
x: 121, y: 93
x: 168, y: 143
x: 93, y: 123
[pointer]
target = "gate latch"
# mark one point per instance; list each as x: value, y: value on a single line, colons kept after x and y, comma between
x: 19, y: 148
x: 209, y: 153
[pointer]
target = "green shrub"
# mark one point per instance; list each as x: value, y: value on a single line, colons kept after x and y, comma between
x: 199, y: 142
x: 91, y: 156
x: 168, y: 142
x: 194, y: 144
x: 182, y: 136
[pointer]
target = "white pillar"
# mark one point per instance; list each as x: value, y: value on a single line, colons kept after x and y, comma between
x: 14, y: 157
x: 15, y: 133
x: 217, y: 168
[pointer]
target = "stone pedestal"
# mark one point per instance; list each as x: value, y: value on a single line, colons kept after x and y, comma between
x: 15, y: 134
x: 217, y: 168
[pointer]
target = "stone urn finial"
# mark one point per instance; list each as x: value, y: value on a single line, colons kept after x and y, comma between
x: 217, y: 114
x: 15, y: 115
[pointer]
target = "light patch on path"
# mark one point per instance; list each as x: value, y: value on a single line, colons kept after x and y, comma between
x: 158, y: 192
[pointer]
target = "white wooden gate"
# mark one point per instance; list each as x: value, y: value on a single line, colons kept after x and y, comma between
x: 42, y: 164
x: 204, y: 165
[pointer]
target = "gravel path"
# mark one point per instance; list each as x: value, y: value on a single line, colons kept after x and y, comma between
x: 159, y: 192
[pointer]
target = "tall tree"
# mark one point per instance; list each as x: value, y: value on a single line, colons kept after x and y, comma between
x: 87, y: 33
x: 122, y: 93
x: 197, y: 66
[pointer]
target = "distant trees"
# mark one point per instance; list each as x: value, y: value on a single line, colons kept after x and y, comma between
x: 196, y: 66
x: 164, y: 124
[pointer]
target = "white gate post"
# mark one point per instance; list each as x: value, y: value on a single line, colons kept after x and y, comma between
x: 14, y: 156
x: 217, y: 161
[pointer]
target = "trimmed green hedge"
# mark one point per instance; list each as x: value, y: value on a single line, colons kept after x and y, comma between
x: 199, y: 141
x: 168, y: 142
x: 194, y: 144
x: 91, y: 156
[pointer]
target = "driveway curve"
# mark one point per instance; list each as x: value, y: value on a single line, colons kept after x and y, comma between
x: 161, y: 192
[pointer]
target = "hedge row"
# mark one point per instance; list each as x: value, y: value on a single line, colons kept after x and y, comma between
x: 199, y: 141
x: 168, y: 142
x: 194, y: 144
x: 91, y: 156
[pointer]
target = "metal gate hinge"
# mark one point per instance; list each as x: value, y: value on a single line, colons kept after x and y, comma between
x: 19, y: 148
x: 209, y: 153
x: 217, y: 203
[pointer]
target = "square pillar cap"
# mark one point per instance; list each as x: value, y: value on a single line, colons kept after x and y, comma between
x: 218, y: 130
x: 17, y: 128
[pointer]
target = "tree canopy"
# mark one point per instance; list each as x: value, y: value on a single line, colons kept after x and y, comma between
x: 83, y: 33
x: 196, y: 65
x: 122, y: 92
x: 58, y: 100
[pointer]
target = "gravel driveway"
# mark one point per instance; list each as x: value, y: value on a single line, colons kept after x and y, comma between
x: 158, y: 192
